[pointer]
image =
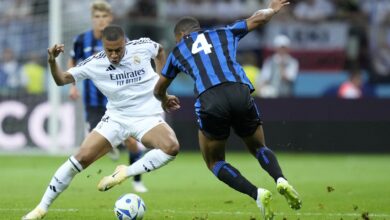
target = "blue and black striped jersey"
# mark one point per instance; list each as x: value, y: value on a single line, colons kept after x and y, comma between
x: 84, y: 46
x: 209, y: 57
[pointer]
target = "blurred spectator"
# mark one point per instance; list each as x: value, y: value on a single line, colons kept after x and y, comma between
x: 16, y: 9
x: 357, y: 44
x: 234, y: 7
x: 211, y: 12
x: 173, y: 9
x: 40, y: 7
x: 279, y: 71
x: 314, y: 10
x: 347, y: 9
x: 120, y: 9
x: 144, y: 22
x: 11, y: 69
x: 14, y: 17
x: 3, y: 79
x: 33, y: 75
x: 352, y: 88
x: 378, y: 12
x: 381, y: 62
x: 36, y: 29
x: 145, y: 9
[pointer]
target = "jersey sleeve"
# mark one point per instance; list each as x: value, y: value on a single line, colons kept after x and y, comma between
x: 151, y: 46
x: 79, y: 72
x: 170, y: 70
x: 239, y: 28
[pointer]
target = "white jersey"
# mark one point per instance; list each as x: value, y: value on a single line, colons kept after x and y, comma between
x: 128, y: 85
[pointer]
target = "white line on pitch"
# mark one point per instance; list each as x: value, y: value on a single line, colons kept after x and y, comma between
x: 335, y: 214
x: 54, y: 210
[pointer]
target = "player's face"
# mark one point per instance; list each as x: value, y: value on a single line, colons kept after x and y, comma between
x: 100, y: 20
x: 282, y: 50
x: 114, y: 49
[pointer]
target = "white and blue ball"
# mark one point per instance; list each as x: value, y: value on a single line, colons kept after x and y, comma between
x: 129, y: 207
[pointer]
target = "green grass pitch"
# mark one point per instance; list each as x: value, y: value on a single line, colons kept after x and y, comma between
x: 332, y: 187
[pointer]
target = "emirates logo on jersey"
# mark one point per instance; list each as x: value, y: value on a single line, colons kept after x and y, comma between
x: 127, y: 77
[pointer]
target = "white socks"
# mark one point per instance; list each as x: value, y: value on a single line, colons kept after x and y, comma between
x: 60, y: 181
x: 281, y: 180
x: 152, y: 160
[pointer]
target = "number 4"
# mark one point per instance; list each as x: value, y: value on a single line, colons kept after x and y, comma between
x: 201, y: 44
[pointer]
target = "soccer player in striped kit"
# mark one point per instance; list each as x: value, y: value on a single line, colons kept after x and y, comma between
x: 84, y: 46
x: 223, y: 101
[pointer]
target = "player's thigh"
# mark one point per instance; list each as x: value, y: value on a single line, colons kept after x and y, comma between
x: 107, y: 134
x: 93, y: 147
x: 131, y: 145
x: 163, y: 137
x: 213, y: 111
x: 246, y: 115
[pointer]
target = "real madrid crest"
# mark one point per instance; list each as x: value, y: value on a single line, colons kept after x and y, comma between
x: 136, y: 60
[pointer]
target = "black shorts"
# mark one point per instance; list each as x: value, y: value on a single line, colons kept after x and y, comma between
x: 94, y: 116
x: 224, y: 106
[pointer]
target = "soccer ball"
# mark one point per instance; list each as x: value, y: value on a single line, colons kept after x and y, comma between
x: 129, y: 207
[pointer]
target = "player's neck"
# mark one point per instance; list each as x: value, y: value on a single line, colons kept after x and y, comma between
x: 97, y: 34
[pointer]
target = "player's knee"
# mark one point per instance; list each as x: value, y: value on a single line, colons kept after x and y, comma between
x: 172, y: 147
x: 84, y: 159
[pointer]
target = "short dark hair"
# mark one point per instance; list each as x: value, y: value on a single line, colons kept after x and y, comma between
x: 187, y: 25
x: 113, y: 32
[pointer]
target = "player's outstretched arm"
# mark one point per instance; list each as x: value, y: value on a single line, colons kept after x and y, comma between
x: 262, y: 16
x: 60, y: 77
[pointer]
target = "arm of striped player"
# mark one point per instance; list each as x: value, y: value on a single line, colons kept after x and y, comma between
x: 262, y: 16
x: 168, y: 102
x: 59, y: 76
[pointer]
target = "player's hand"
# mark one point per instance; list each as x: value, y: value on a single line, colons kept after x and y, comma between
x: 54, y: 51
x: 276, y: 5
x: 74, y: 93
x: 170, y: 103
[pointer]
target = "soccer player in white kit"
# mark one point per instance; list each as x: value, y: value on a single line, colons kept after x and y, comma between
x: 123, y: 73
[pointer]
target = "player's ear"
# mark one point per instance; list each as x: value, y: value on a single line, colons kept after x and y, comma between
x: 179, y: 36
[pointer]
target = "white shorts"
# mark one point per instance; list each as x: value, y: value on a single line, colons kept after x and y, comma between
x: 116, y: 130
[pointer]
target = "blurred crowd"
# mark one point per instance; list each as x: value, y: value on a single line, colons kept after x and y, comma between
x: 24, y: 37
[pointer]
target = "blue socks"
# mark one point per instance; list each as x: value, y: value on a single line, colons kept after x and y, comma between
x: 233, y: 178
x: 269, y: 163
